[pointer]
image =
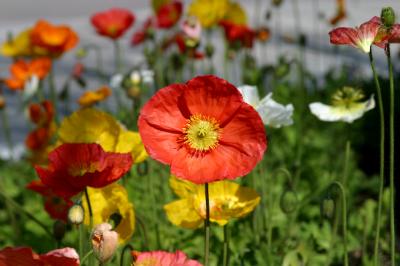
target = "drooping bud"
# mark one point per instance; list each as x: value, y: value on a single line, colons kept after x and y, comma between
x: 288, y: 201
x: 2, y: 102
x: 104, y: 242
x: 388, y: 16
x: 76, y: 214
x: 59, y: 228
x: 327, y: 208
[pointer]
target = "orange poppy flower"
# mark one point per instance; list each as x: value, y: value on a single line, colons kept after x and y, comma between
x: 113, y: 23
x: 41, y: 114
x: 54, y: 205
x: 74, y: 166
x: 24, y: 256
x: 90, y: 98
x: 203, y: 129
x: 55, y: 39
x: 22, y: 70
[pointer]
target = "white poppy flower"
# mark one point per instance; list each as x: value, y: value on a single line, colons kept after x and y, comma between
x: 345, y: 107
x: 30, y: 88
x: 271, y: 112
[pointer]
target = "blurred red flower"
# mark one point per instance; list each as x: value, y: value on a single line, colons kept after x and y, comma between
x: 203, y: 129
x: 24, y: 256
x: 55, y: 206
x: 238, y: 34
x: 169, y: 14
x: 386, y: 35
x: 141, y: 35
x: 113, y: 23
x: 74, y: 166
x: 42, y: 115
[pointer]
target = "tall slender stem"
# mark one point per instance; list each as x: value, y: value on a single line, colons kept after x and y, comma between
x: 382, y: 159
x: 52, y: 87
x: 391, y: 158
x: 7, y: 132
x: 226, y: 246
x: 126, y: 247
x: 346, y: 163
x: 344, y: 221
x: 207, y: 227
x: 89, y: 207
x: 117, y: 57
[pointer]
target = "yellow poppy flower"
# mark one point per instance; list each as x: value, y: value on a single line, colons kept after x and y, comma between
x: 111, y: 201
x: 90, y: 125
x: 236, y: 14
x: 209, y: 12
x: 21, y: 46
x: 228, y: 200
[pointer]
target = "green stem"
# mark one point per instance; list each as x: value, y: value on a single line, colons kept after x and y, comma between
x: 89, y: 207
x: 117, y: 57
x: 90, y: 252
x: 81, y: 239
x: 226, y: 246
x: 126, y: 247
x: 52, y: 87
x: 207, y: 227
x: 346, y: 163
x: 344, y: 221
x: 382, y: 159
x: 7, y: 133
x: 143, y: 228
x: 391, y: 158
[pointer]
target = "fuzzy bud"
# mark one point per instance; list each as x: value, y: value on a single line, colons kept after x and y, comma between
x: 327, y: 208
x: 76, y: 214
x: 104, y: 242
x: 388, y: 16
x: 288, y: 202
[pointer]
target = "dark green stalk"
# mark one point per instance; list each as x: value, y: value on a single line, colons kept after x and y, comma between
x: 207, y: 227
x: 382, y: 158
x: 226, y: 246
x: 344, y: 221
x: 89, y: 207
x: 391, y: 158
x: 126, y: 247
x: 90, y: 252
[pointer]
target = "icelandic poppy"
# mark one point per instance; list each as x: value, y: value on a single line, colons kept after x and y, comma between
x: 55, y: 39
x: 21, y: 71
x: 75, y: 166
x: 41, y: 114
x: 228, y: 200
x: 272, y: 113
x: 238, y: 34
x: 111, y: 204
x: 169, y: 14
x: 386, y: 34
x: 89, y: 98
x: 360, y: 37
x: 104, y: 242
x: 235, y: 14
x: 209, y: 12
x: 90, y: 125
x: 18, y: 46
x: 191, y: 27
x: 346, y: 106
x: 113, y: 23
x: 24, y: 256
x: 156, y: 258
x: 56, y: 206
x: 203, y: 129
x: 144, y: 33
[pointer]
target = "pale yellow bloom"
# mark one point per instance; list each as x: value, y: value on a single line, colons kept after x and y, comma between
x: 236, y: 14
x: 228, y: 200
x: 209, y: 12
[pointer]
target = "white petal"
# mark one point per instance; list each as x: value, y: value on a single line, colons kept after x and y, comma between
x: 250, y: 94
x: 30, y: 88
x: 275, y: 114
x: 116, y: 81
x: 147, y: 76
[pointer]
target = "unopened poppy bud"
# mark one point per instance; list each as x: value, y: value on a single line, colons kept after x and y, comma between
x: 209, y: 50
x: 135, y: 78
x: 288, y: 201
x: 76, y: 214
x: 134, y: 92
x: 2, y: 102
x: 59, y: 228
x: 327, y: 208
x: 104, y: 242
x: 388, y: 16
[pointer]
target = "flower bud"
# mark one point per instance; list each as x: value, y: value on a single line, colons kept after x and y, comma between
x: 288, y: 202
x: 388, y: 16
x: 327, y: 208
x: 59, y: 228
x: 209, y: 50
x: 2, y: 102
x: 134, y: 92
x: 76, y: 214
x: 135, y: 77
x: 104, y: 242
x: 81, y: 53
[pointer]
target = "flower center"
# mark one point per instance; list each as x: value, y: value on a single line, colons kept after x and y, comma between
x: 202, y: 133
x: 347, y: 97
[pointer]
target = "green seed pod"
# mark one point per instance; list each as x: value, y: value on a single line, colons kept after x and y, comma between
x: 388, y: 16
x: 327, y: 208
x: 76, y: 214
x: 59, y: 228
x: 289, y: 201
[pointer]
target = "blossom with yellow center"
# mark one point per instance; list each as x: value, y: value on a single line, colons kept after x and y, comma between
x: 90, y: 125
x: 109, y: 202
x: 209, y: 12
x: 228, y: 200
x: 346, y: 106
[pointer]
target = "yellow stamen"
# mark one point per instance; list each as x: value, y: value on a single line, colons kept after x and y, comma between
x: 202, y: 133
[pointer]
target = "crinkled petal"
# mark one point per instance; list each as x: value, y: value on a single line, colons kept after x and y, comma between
x: 181, y: 213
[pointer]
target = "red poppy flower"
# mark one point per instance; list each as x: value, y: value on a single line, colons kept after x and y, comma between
x: 24, y: 256
x: 184, y: 48
x: 241, y: 34
x: 39, y: 138
x: 386, y: 35
x: 360, y: 37
x: 113, y: 23
x: 169, y: 14
x: 41, y: 114
x: 203, y: 129
x: 141, y: 35
x: 55, y: 206
x: 73, y: 166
